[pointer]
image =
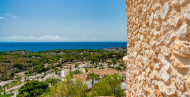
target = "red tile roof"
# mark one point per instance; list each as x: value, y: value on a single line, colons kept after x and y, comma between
x: 100, y: 72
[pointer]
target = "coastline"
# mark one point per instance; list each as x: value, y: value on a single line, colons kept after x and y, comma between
x: 43, y: 46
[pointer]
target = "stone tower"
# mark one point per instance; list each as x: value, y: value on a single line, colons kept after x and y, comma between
x: 158, y: 50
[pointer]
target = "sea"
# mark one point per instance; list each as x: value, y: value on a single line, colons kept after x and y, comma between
x: 42, y: 46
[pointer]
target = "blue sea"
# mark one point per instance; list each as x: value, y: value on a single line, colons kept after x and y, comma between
x: 41, y: 46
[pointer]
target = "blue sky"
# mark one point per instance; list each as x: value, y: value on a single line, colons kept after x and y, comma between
x: 62, y: 20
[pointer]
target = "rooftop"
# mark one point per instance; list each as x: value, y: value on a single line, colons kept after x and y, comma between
x: 100, y: 72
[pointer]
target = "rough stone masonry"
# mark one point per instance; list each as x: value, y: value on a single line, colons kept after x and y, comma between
x: 158, y: 49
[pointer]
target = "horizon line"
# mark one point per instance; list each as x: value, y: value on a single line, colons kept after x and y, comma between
x: 63, y: 41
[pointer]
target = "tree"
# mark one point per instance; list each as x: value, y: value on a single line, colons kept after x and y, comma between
x: 52, y: 81
x: 33, y: 88
x: 76, y: 65
x: 18, y: 78
x: 86, y: 69
x: 70, y: 68
x: 102, y: 89
x: 75, y: 72
x: 93, y: 76
x: 19, y: 66
x: 108, y: 85
x: 68, y: 88
x: 12, y: 74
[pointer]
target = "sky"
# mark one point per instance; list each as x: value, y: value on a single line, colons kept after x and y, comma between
x: 62, y: 20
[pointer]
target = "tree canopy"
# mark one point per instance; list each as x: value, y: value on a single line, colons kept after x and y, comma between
x: 33, y: 88
x: 68, y: 88
x: 93, y: 77
x: 108, y: 85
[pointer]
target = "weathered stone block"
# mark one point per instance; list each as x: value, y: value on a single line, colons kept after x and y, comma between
x: 173, y: 18
x: 186, y: 14
x: 170, y: 90
x: 164, y: 75
x: 165, y: 10
x: 182, y: 32
x: 181, y: 48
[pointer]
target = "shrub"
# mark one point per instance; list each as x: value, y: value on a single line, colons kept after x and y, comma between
x: 33, y: 88
x: 108, y: 85
x: 68, y: 88
x: 53, y: 81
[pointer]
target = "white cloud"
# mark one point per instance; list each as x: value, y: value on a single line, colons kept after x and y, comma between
x: 35, y: 38
x: 2, y: 17
x: 11, y: 15
x: 44, y: 38
x: 50, y: 38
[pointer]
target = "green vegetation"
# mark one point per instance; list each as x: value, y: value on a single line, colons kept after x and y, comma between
x: 93, y: 77
x: 14, y: 83
x: 12, y: 62
x: 4, y: 95
x: 68, y: 88
x: 2, y: 90
x: 53, y: 81
x: 33, y: 88
x: 75, y: 72
x: 108, y: 85
x: 21, y: 65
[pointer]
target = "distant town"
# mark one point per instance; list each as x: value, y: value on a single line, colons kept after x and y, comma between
x: 54, y: 66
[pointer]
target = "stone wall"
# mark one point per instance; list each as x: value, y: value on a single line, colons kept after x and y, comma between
x: 158, y: 58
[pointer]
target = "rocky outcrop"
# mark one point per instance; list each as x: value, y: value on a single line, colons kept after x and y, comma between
x: 158, y: 49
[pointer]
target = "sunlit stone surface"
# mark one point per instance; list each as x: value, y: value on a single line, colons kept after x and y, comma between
x: 158, y: 49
